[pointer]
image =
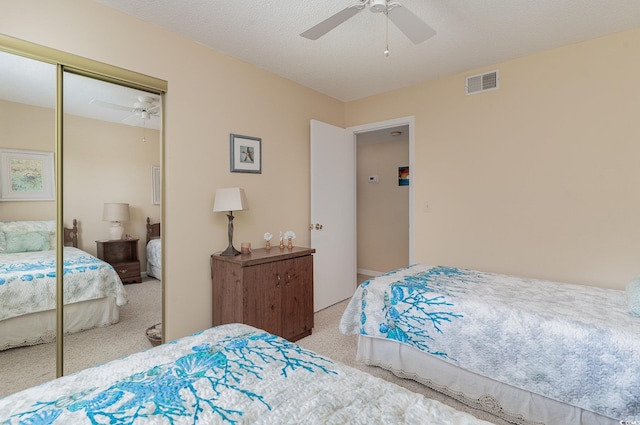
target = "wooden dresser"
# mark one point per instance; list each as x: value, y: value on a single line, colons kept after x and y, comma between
x: 271, y: 290
x: 122, y: 254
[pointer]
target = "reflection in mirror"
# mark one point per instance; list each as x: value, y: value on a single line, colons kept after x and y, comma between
x: 111, y: 144
x: 27, y: 223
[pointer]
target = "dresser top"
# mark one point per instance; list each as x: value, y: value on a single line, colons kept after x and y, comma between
x: 261, y: 255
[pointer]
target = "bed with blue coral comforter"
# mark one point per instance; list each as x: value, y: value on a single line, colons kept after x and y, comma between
x: 230, y: 374
x: 572, y: 344
x: 28, y: 295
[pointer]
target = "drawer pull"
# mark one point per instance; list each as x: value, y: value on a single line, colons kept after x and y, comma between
x: 278, y: 280
x: 123, y: 271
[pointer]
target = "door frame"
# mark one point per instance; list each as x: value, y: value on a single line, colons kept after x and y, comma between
x: 381, y: 125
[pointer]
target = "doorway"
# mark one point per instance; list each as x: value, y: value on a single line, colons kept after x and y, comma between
x: 334, y: 230
x: 382, y: 200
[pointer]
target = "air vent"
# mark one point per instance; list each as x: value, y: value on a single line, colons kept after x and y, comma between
x: 482, y: 82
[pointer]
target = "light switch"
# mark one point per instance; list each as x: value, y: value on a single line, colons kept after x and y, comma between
x: 427, y: 207
x: 373, y: 179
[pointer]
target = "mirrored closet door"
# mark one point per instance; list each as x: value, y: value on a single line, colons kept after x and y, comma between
x: 79, y: 141
x: 111, y: 147
x: 27, y: 217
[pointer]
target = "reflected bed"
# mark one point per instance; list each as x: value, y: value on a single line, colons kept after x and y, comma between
x: 93, y: 291
x: 154, y: 250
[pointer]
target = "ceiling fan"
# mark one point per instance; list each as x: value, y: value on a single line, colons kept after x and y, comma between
x: 145, y: 107
x: 413, y: 27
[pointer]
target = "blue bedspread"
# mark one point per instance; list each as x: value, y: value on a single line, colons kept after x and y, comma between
x: 28, y: 281
x: 229, y: 374
x: 572, y: 343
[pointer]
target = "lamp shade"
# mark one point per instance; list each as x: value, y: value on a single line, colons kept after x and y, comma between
x: 115, y: 212
x: 230, y: 199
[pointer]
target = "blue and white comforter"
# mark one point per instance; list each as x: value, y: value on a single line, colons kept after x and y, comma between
x: 28, y: 281
x: 232, y: 374
x: 571, y: 343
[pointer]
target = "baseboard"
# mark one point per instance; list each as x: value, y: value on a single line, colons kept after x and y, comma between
x: 369, y: 272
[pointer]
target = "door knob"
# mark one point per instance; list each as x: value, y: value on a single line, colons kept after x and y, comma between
x: 318, y: 226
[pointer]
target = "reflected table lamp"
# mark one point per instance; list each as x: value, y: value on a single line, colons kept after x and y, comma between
x: 115, y: 213
x: 230, y: 199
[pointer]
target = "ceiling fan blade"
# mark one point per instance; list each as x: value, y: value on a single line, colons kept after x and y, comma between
x: 109, y: 105
x: 330, y: 23
x: 413, y: 27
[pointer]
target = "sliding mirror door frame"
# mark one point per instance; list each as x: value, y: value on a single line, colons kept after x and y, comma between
x: 66, y: 62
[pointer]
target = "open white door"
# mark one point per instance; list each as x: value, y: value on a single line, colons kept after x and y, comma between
x: 333, y: 213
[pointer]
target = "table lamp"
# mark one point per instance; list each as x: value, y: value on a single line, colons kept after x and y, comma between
x: 115, y: 213
x: 230, y: 199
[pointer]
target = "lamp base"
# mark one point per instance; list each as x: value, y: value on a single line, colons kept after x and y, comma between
x: 230, y: 252
x: 116, y: 231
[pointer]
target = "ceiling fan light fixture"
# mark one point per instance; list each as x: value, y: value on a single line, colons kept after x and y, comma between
x: 378, y: 6
x: 145, y: 115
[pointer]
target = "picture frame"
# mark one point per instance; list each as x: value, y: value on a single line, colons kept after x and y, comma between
x: 156, y: 196
x: 246, y: 154
x: 26, y: 175
x: 403, y: 176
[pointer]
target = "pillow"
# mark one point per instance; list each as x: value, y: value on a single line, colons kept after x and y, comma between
x: 24, y: 227
x: 633, y: 296
x: 27, y: 241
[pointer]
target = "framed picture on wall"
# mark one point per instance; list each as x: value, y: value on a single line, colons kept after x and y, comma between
x: 26, y: 175
x: 155, y: 185
x: 403, y: 176
x: 246, y: 154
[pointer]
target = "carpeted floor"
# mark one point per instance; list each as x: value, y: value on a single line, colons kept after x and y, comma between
x: 25, y: 367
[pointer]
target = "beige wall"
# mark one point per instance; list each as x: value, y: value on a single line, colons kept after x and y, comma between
x: 383, y: 207
x: 107, y: 162
x: 210, y: 95
x: 19, y: 132
x: 103, y: 162
x: 538, y: 178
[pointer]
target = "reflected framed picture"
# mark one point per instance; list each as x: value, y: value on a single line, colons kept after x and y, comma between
x: 26, y: 175
x: 246, y: 154
x: 155, y: 185
x: 403, y: 176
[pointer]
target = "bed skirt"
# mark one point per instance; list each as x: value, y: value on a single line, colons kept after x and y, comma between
x: 40, y: 328
x: 154, y: 271
x: 504, y: 401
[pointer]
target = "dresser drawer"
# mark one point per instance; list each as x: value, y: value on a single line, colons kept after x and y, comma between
x: 128, y: 272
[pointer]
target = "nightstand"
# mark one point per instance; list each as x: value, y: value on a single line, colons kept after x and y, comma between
x: 271, y: 290
x: 123, y: 256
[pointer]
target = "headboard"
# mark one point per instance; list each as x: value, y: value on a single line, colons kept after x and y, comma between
x: 153, y: 230
x: 71, y: 235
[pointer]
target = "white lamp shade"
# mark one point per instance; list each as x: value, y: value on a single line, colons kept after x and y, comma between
x: 230, y: 199
x: 115, y: 212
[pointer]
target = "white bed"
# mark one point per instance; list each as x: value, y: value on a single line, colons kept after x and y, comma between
x: 154, y: 250
x: 93, y: 291
x: 230, y: 374
x: 528, y: 351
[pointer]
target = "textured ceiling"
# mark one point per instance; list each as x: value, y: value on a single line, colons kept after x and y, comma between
x: 348, y: 63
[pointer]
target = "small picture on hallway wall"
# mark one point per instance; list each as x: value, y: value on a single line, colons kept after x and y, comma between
x: 246, y: 154
x: 403, y: 176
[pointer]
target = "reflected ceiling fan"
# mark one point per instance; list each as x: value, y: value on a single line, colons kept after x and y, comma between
x: 412, y: 26
x: 144, y: 108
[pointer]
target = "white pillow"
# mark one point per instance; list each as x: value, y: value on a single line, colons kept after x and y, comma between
x: 24, y: 227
